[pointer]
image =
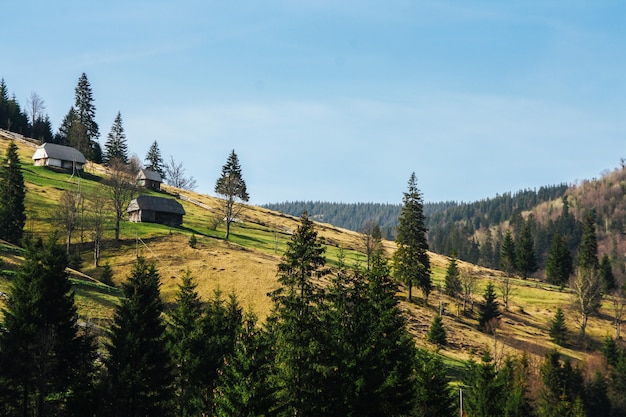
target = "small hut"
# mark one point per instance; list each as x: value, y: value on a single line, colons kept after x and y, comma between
x: 58, y: 156
x: 151, y: 209
x: 149, y: 179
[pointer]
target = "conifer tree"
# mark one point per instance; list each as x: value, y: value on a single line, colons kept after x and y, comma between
x: 154, y: 161
x: 245, y: 387
x: 507, y: 253
x: 437, y: 333
x: 433, y: 395
x: 514, y: 376
x: 483, y: 395
x: 489, y: 310
x: 606, y: 275
x: 587, y: 256
x: 185, y: 341
x: 411, y: 261
x: 12, y: 195
x: 231, y: 187
x: 562, y: 387
x: 558, y: 328
x: 85, y: 131
x: 138, y: 363
x: 297, y: 323
x: 559, y: 263
x: 46, y: 363
x: 453, y: 286
x: 116, y: 148
x: 526, y: 260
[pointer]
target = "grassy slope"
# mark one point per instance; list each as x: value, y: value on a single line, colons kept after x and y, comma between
x: 247, y: 266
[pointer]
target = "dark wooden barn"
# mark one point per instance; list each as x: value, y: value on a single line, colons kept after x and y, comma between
x: 153, y: 209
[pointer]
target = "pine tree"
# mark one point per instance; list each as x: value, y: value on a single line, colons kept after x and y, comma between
x: 587, y: 256
x: 138, y: 363
x: 489, y: 310
x: 186, y: 342
x: 483, y: 395
x: 297, y: 324
x: 154, y: 161
x: 411, y: 261
x: 85, y: 132
x: 12, y: 195
x: 562, y: 387
x: 558, y: 328
x: 513, y: 377
x: 606, y: 275
x: 46, y: 363
x: 526, y: 260
x: 116, y: 148
x: 231, y: 187
x: 437, y: 333
x: 507, y: 253
x: 453, y: 286
x: 245, y: 387
x: 434, y: 395
x: 559, y: 264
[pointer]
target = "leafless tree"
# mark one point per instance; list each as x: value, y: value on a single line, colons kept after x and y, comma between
x: 97, y: 216
x: 469, y: 283
x: 371, y: 239
x: 36, y: 108
x: 586, y: 286
x: 122, y: 188
x: 67, y: 214
x: 175, y: 176
x: 506, y: 288
x: 619, y: 309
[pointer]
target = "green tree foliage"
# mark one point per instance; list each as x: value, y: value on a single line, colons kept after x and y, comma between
x: 12, y: 195
x: 453, y: 285
x: 558, y: 328
x: 606, y: 275
x: 46, y: 363
x: 11, y: 115
x: 245, y: 387
x: 296, y: 323
x: 489, y: 310
x: 559, y: 265
x: 231, y: 187
x: 616, y: 360
x: 587, y: 256
x: 115, y: 147
x: 138, y: 363
x: 514, y: 378
x: 84, y: 132
x: 186, y: 342
x: 411, y: 260
x: 507, y: 253
x: 437, y: 333
x: 483, y: 394
x: 562, y: 388
x: 597, y: 402
x: 434, y: 394
x: 526, y: 260
x: 154, y: 161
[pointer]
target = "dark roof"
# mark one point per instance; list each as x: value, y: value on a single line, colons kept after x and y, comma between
x: 163, y: 205
x: 148, y: 174
x: 54, y: 151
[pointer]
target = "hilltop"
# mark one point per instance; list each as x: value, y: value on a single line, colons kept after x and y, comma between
x: 247, y: 265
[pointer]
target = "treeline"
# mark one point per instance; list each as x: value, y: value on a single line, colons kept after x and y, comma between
x: 355, y: 216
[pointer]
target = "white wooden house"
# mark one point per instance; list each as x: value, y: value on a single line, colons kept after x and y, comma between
x: 58, y: 156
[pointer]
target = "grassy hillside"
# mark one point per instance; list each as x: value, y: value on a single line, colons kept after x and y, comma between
x: 247, y: 265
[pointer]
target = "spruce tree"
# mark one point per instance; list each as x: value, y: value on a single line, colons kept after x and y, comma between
x: 46, y: 362
x: 483, y: 394
x: 507, y: 253
x: 562, y: 387
x: 513, y: 377
x: 606, y: 275
x: 231, y: 187
x: 587, y: 256
x: 437, y: 333
x: 297, y: 324
x: 453, y: 286
x: 433, y: 391
x: 525, y: 258
x: 138, y: 363
x: 411, y: 260
x: 154, y: 161
x: 489, y: 310
x: 85, y: 131
x: 115, y: 147
x: 186, y: 343
x: 558, y: 328
x: 559, y: 263
x: 12, y: 195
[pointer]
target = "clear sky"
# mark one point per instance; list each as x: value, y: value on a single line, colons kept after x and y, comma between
x: 340, y: 100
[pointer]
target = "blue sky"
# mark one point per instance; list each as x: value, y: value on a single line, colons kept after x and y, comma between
x: 341, y: 101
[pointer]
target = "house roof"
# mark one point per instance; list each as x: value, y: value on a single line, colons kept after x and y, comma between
x: 148, y: 174
x: 163, y: 205
x: 54, y: 151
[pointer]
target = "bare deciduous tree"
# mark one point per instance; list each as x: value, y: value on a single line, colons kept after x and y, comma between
x: 97, y: 217
x: 619, y: 309
x: 506, y: 288
x: 371, y: 239
x: 468, y: 282
x: 67, y: 214
x: 121, y: 189
x: 587, y: 293
x: 175, y: 176
x: 36, y: 108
